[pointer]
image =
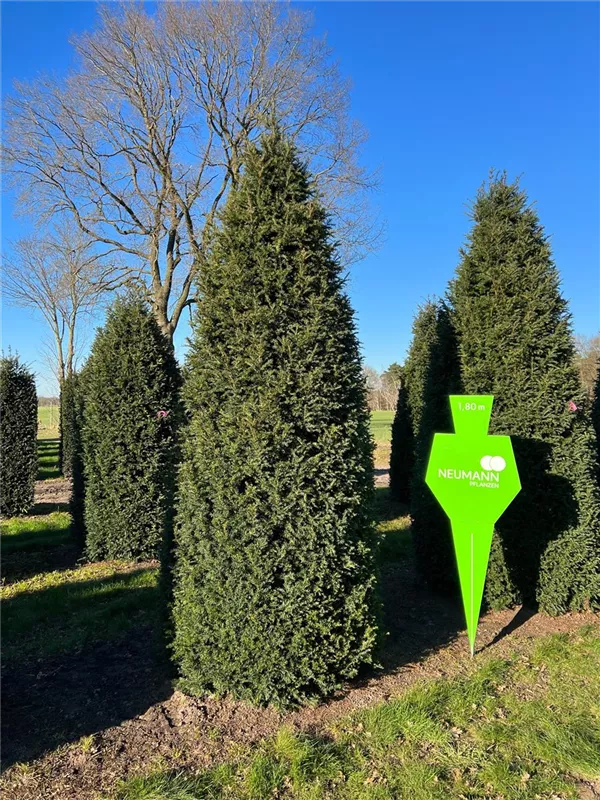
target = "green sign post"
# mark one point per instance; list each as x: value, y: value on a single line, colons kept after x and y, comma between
x: 474, y: 477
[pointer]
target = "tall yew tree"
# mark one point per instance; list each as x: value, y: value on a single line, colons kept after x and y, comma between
x: 516, y: 343
x: 409, y: 405
x: 130, y: 450
x: 274, y: 570
x: 431, y: 375
x: 71, y: 416
x: 18, y: 436
x: 596, y: 410
x: 402, y: 454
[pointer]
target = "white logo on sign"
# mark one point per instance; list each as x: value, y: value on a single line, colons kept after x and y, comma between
x: 497, y: 463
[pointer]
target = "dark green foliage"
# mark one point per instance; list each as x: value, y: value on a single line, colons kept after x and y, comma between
x: 18, y: 436
x: 431, y: 375
x: 392, y: 376
x: 516, y: 343
x: 596, y: 410
x: 274, y: 572
x: 69, y: 434
x: 130, y: 451
x: 60, y: 433
x: 403, y: 448
x: 71, y: 416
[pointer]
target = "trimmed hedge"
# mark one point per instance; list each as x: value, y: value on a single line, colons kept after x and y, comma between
x: 275, y: 572
x: 130, y: 449
x: 596, y: 410
x: 516, y: 343
x: 18, y: 436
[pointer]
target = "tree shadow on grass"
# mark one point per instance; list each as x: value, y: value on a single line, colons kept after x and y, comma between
x: 416, y: 621
x: 45, y: 508
x: 53, y: 698
x: 48, y: 459
x: 40, y: 545
x: 78, y: 658
x: 19, y: 565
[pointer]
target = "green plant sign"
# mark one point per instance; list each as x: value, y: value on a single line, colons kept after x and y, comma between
x: 474, y: 477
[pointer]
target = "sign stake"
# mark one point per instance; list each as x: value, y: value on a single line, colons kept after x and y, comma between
x: 474, y: 477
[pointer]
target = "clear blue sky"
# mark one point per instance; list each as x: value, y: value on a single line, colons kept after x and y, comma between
x: 446, y: 90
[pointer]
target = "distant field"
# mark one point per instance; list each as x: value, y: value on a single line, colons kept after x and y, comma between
x: 47, y: 422
x: 381, y: 425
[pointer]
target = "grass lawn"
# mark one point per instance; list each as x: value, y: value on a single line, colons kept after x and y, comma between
x: 48, y: 420
x: 526, y: 728
x: 34, y: 533
x: 58, y: 612
x: 381, y: 425
x: 48, y: 466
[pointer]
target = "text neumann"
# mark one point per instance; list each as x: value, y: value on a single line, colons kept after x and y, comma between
x: 469, y: 475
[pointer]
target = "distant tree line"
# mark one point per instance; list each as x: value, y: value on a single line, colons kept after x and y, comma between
x: 383, y: 387
x: 587, y: 360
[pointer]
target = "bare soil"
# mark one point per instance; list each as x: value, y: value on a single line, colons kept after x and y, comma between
x: 382, y: 477
x: 120, y: 693
x: 74, y: 725
x: 51, y: 495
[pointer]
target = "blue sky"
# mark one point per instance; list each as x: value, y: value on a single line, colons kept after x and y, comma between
x: 446, y: 91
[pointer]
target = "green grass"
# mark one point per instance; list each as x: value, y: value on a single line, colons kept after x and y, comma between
x: 48, y: 417
x: 35, y: 533
x: 381, y: 425
x: 393, y: 527
x: 58, y: 612
x: 521, y: 729
x: 48, y: 466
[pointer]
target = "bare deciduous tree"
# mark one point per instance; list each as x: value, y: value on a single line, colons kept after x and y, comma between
x: 391, y: 379
x: 373, y: 381
x: 588, y: 360
x: 142, y: 142
x: 63, y: 278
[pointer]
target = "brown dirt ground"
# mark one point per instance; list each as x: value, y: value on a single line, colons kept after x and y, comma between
x: 52, y: 495
x: 119, y: 695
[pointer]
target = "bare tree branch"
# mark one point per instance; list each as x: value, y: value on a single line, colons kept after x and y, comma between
x: 141, y: 143
x: 64, y: 278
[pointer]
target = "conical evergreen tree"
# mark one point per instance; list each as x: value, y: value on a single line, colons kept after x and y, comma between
x: 18, y: 437
x: 71, y: 414
x: 516, y: 343
x: 274, y: 569
x: 403, y: 448
x: 409, y: 407
x: 432, y: 374
x: 596, y: 410
x: 68, y: 432
x: 131, y: 415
